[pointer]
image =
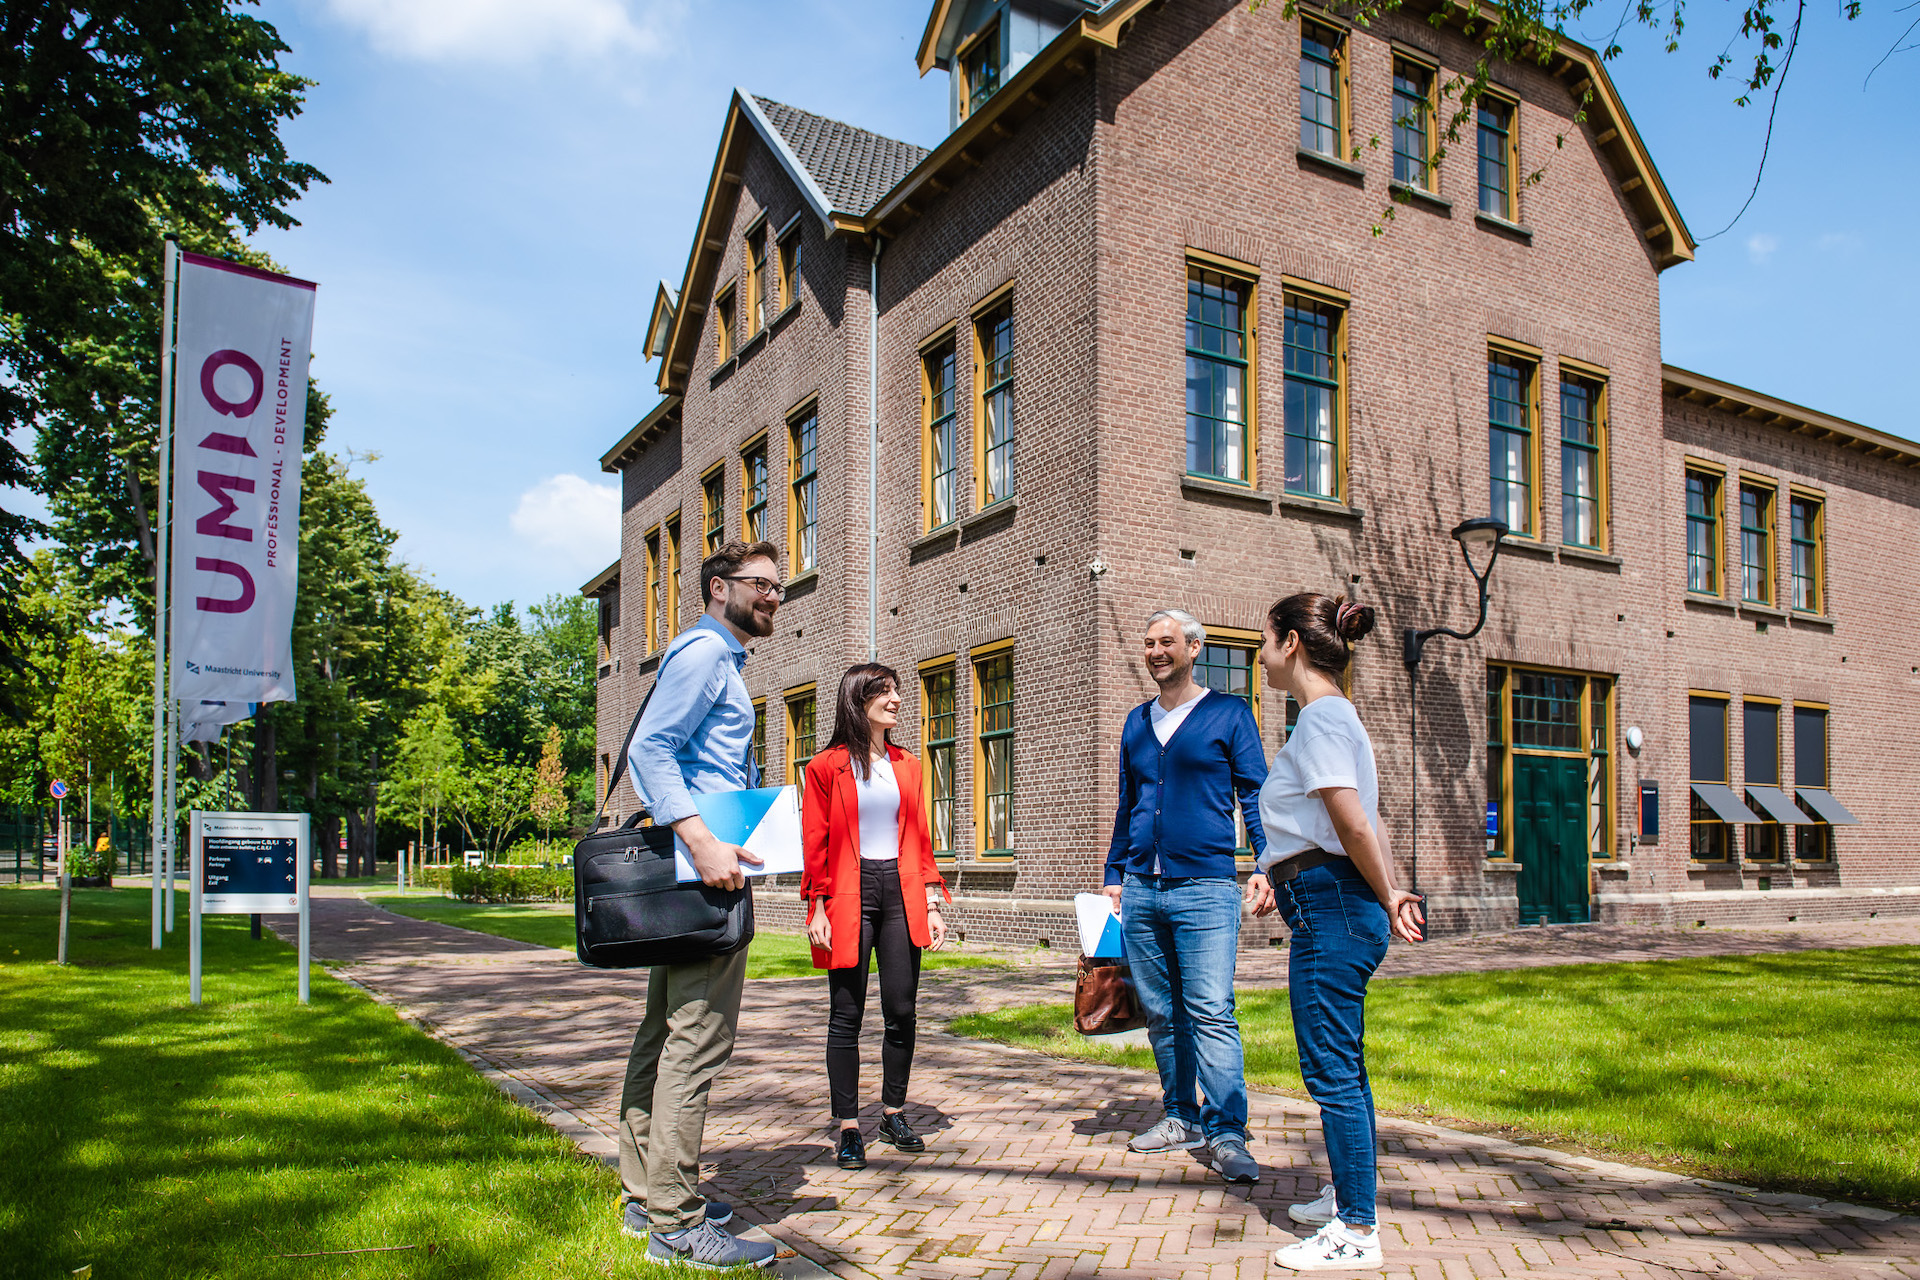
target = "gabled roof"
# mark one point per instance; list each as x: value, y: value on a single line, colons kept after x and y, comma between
x: 644, y: 433
x: 1698, y: 388
x: 664, y: 302
x: 852, y: 167
x: 601, y: 581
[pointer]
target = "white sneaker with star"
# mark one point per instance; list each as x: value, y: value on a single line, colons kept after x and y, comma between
x: 1332, y: 1248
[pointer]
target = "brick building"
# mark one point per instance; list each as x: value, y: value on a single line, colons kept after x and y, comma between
x: 1127, y: 338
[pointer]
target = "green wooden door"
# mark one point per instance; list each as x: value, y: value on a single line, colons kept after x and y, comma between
x: 1550, y: 838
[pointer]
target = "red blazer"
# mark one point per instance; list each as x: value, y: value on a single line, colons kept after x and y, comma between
x: 830, y: 840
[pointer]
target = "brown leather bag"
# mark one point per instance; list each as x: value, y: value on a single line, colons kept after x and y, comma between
x: 1103, y: 998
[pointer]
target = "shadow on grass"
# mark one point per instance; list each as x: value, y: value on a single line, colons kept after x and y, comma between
x: 152, y: 1138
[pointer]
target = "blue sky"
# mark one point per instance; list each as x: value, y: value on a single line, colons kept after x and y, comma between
x: 510, y: 178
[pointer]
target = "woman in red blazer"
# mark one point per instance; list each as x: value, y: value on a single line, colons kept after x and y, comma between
x: 869, y: 869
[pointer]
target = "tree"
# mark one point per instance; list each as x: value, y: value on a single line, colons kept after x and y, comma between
x: 549, y: 785
x: 426, y: 761
x: 118, y: 117
x: 489, y: 799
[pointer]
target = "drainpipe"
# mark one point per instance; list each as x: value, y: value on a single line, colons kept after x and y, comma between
x: 873, y: 452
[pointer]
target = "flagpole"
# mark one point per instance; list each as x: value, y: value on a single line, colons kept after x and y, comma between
x: 168, y: 291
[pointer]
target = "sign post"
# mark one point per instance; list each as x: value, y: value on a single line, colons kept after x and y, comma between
x: 246, y: 864
x: 59, y: 793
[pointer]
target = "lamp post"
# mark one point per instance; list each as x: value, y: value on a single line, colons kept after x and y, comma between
x: 1480, y: 533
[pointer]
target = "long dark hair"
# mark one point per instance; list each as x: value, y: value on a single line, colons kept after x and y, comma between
x: 861, y: 685
x: 1328, y: 627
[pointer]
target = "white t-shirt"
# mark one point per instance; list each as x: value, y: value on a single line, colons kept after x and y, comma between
x: 1165, y: 722
x: 1328, y: 747
x: 879, y: 812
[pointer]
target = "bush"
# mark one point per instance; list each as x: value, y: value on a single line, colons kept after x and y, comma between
x: 435, y: 875
x: 501, y: 883
x: 83, y: 864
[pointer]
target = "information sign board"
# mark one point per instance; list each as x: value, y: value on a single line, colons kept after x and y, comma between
x: 249, y: 864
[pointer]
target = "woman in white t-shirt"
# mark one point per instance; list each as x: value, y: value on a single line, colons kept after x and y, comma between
x: 1327, y: 871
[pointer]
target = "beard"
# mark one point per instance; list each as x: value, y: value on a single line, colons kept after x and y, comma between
x: 743, y: 611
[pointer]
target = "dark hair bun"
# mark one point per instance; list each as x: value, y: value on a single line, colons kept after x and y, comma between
x: 1353, y: 622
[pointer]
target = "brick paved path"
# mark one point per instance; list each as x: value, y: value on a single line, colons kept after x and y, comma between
x: 1027, y: 1174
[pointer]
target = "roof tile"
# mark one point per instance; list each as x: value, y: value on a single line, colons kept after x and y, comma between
x: 852, y: 167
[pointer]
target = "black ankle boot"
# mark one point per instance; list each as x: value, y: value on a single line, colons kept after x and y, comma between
x: 895, y: 1129
x: 851, y: 1151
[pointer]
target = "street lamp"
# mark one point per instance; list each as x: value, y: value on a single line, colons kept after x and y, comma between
x: 1482, y: 534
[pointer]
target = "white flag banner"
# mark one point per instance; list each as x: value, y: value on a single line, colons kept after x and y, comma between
x: 240, y: 403
x: 204, y: 721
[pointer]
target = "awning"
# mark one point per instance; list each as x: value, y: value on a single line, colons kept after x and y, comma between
x: 1776, y: 805
x: 1825, y: 807
x: 1720, y: 798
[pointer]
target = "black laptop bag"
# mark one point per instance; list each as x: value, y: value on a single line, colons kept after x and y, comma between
x: 631, y: 911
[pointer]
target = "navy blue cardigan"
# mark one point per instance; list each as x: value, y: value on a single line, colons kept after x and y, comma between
x: 1177, y: 801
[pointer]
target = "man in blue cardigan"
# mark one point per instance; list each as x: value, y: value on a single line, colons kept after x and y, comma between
x: 1187, y: 758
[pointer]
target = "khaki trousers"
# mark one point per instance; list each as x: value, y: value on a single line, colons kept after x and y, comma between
x: 686, y: 1038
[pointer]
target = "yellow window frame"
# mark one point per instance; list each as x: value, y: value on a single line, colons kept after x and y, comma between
x: 1726, y: 729
x: 673, y: 575
x: 982, y: 312
x: 1341, y: 301
x: 1249, y: 275
x: 797, y: 699
x: 755, y: 444
x: 1717, y: 472
x: 1603, y: 458
x: 754, y: 271
x: 1533, y: 358
x: 943, y: 342
x: 1610, y: 805
x: 724, y: 321
x: 977, y: 658
x: 1819, y: 499
x: 796, y: 418
x: 1514, y: 180
x: 1343, y: 78
x: 650, y: 611
x: 1430, y: 106
x: 946, y: 664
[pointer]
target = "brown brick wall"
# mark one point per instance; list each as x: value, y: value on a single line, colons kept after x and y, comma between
x: 1183, y: 139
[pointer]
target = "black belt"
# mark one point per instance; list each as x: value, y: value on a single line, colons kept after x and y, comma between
x: 1288, y: 868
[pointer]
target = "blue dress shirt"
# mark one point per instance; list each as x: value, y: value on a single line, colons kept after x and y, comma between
x: 697, y: 733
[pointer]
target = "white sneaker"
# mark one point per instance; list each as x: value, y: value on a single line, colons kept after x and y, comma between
x: 1332, y: 1248
x: 1317, y: 1212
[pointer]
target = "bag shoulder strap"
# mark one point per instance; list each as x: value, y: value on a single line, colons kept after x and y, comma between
x: 620, y: 761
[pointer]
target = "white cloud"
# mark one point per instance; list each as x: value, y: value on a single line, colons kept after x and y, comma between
x: 572, y: 516
x: 509, y: 30
x: 1761, y: 246
x: 1838, y: 242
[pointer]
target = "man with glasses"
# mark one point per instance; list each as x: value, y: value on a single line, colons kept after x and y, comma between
x: 696, y: 737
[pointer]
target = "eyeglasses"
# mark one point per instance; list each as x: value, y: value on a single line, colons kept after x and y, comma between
x: 764, y: 586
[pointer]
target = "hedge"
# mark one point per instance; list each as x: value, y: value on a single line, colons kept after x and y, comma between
x: 500, y: 883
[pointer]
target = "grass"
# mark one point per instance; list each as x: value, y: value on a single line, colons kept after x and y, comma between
x: 770, y: 955
x: 147, y: 1137
x: 1790, y: 1072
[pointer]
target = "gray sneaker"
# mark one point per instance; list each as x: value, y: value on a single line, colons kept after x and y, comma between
x: 1231, y: 1161
x: 633, y: 1219
x: 708, y: 1248
x: 1168, y: 1135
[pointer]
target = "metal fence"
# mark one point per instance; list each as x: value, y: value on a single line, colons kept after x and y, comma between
x: 29, y: 849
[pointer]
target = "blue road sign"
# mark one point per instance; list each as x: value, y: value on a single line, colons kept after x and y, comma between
x: 58, y: 790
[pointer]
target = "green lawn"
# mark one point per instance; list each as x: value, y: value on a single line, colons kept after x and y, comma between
x: 148, y: 1138
x: 770, y: 955
x: 1790, y: 1072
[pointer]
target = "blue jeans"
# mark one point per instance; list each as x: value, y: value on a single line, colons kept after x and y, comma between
x: 1182, y: 935
x: 1339, y: 939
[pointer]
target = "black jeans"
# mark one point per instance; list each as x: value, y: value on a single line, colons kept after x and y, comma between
x: 883, y: 931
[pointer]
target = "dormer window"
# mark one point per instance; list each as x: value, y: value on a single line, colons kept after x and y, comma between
x: 981, y: 65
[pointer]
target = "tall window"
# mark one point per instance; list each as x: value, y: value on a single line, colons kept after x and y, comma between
x: 1510, y: 440
x: 1809, y: 554
x: 995, y: 332
x: 650, y: 612
x: 1599, y: 770
x: 1581, y: 462
x: 1756, y: 543
x: 713, y: 508
x: 1760, y: 744
x: 1230, y: 668
x: 760, y: 737
x: 993, y: 751
x: 1703, y: 532
x: 1217, y: 363
x: 1322, y: 50
x: 757, y: 279
x: 939, y: 461
x: 673, y: 577
x: 803, y: 443
x: 753, y: 491
x: 982, y: 66
x: 1496, y: 157
x: 1811, y: 768
x: 723, y: 326
x: 1413, y: 124
x: 790, y: 268
x: 1707, y: 750
x: 937, y: 713
x: 802, y: 735
x: 1312, y: 398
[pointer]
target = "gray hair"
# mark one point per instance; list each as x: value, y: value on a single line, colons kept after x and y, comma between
x: 1189, y: 625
